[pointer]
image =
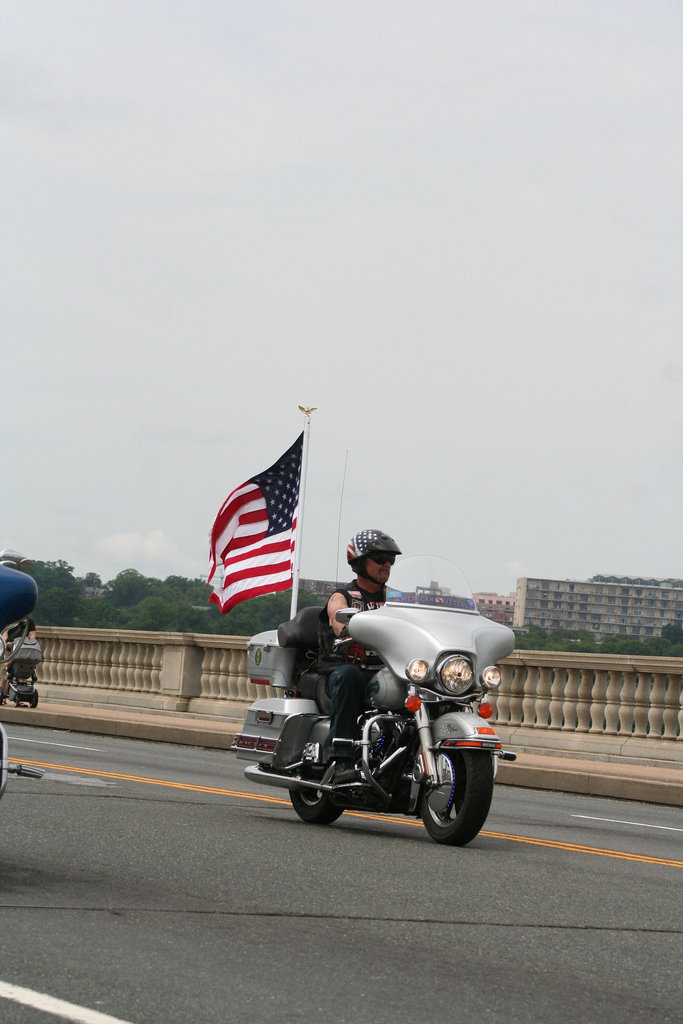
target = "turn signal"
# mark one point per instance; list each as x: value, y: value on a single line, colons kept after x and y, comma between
x: 413, y: 703
x: 485, y: 709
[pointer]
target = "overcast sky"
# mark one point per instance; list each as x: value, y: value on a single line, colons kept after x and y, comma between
x: 454, y: 227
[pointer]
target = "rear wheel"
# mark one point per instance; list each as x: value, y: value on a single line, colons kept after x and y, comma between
x: 454, y: 811
x: 314, y: 807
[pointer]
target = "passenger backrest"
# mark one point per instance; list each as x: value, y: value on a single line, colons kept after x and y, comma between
x: 301, y: 631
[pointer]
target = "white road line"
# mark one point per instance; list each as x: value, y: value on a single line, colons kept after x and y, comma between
x: 51, y: 743
x: 48, y: 1004
x: 618, y: 821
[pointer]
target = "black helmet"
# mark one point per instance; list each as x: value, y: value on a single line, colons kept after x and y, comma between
x: 367, y: 541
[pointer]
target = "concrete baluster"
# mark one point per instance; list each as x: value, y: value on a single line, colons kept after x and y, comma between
x: 655, y: 715
x: 556, y: 697
x: 612, y: 704
x: 583, y: 700
x: 641, y: 704
x: 516, y: 694
x: 571, y: 689
x: 239, y: 669
x: 132, y: 651
x: 672, y: 706
x: 542, y: 708
x: 529, y: 697
x: 627, y: 704
x: 500, y: 698
x: 598, y: 701
x: 117, y: 680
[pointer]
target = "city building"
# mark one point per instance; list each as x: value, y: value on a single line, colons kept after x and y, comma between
x: 322, y: 588
x: 604, y: 605
x: 499, y: 607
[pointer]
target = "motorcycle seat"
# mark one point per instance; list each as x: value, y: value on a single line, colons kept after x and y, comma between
x: 313, y: 686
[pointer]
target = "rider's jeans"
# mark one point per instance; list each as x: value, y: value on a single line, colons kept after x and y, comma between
x: 347, y: 686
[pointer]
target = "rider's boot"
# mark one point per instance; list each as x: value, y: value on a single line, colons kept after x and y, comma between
x: 344, y: 762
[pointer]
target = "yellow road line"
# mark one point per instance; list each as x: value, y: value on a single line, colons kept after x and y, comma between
x: 548, y: 843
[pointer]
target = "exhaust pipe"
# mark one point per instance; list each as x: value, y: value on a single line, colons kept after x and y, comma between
x: 254, y: 773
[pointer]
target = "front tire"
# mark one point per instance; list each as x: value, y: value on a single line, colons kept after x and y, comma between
x: 454, y: 812
x: 314, y: 807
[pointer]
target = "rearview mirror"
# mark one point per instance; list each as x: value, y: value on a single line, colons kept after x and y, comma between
x: 344, y: 614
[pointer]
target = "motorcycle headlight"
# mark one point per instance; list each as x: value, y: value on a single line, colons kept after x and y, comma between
x: 491, y: 677
x: 417, y: 670
x: 456, y: 674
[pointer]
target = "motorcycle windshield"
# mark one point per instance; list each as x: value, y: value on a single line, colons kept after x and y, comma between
x: 428, y: 581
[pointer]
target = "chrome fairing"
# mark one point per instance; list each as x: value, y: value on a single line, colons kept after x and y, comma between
x: 402, y: 633
x: 429, y: 612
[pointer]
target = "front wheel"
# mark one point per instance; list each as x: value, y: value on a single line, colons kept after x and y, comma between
x: 314, y: 807
x: 454, y: 811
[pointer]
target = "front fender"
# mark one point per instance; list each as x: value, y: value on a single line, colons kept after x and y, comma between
x: 463, y: 729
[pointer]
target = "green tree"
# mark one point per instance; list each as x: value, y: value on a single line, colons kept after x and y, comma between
x: 91, y: 579
x: 60, y: 599
x: 152, y: 613
x: 58, y: 606
x: 129, y: 588
x: 673, y: 633
x: 54, y: 574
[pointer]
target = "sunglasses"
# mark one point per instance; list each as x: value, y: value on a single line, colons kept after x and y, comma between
x: 380, y: 558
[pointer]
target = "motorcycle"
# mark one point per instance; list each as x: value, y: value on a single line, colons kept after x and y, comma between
x: 426, y: 749
x: 18, y: 595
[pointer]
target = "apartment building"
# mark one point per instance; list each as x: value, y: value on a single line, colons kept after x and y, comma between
x: 605, y: 605
x: 499, y: 607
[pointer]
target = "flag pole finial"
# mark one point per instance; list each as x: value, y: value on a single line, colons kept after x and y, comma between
x: 307, y: 412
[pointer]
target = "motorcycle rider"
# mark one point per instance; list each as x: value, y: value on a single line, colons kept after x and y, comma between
x: 370, y: 553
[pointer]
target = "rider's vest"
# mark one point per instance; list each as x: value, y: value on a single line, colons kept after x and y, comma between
x: 351, y: 653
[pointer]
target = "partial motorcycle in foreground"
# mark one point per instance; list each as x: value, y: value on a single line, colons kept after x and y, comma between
x: 426, y: 747
x: 18, y: 595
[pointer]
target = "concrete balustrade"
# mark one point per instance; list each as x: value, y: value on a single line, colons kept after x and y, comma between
x: 199, y: 673
x: 605, y: 705
x: 625, y: 705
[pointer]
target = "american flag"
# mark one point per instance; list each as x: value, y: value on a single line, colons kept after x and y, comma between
x: 255, y: 531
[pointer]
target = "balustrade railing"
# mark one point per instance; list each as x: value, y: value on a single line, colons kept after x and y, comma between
x: 548, y: 693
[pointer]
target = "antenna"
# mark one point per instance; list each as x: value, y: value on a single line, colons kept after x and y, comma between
x: 341, y: 502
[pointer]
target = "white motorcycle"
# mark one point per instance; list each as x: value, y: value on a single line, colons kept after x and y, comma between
x: 426, y: 747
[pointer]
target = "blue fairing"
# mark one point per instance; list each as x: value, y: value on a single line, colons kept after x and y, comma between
x: 18, y: 595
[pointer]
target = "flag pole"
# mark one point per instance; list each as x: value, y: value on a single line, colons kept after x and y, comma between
x: 300, y: 511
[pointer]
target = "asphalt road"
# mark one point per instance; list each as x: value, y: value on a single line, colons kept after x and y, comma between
x: 151, y: 883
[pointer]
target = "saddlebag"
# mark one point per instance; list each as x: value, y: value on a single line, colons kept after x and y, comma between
x: 266, y: 721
